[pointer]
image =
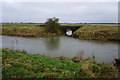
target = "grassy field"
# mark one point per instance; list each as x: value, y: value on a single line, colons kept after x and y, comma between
x: 17, y: 64
x: 104, y: 32
x: 18, y: 25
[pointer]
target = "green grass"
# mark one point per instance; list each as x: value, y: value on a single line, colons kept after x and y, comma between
x: 99, y: 32
x: 17, y: 64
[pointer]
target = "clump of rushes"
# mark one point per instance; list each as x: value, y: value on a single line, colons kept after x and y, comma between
x: 19, y: 65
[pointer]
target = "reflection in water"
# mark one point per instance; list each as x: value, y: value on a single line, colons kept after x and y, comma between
x: 14, y: 43
x: 52, y: 43
x: 80, y: 54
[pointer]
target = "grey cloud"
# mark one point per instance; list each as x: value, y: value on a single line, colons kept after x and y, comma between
x: 66, y: 12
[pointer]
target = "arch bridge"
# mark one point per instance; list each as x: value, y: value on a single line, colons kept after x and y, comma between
x: 64, y: 28
x: 72, y: 28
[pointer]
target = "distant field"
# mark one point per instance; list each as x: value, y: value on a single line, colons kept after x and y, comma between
x: 19, y: 25
x: 100, y: 25
x: 32, y: 25
x: 71, y: 24
x: 103, y: 25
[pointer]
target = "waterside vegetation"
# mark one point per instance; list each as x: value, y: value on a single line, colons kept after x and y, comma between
x: 103, y: 32
x: 19, y: 64
x: 99, y: 32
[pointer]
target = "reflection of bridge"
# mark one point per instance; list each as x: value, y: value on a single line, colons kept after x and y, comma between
x: 64, y: 28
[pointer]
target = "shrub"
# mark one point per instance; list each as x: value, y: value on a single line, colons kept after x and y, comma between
x: 52, y: 25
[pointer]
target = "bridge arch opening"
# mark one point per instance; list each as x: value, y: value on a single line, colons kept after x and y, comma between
x: 69, y: 32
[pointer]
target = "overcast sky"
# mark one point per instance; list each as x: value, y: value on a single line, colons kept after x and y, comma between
x: 67, y: 12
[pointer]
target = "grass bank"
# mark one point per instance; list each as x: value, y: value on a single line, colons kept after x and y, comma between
x: 17, y: 64
x: 26, y: 30
x: 103, y: 32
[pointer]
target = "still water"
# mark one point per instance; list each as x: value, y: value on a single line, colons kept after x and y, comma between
x: 63, y: 46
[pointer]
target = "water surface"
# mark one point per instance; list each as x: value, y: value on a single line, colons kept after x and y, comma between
x: 63, y: 46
